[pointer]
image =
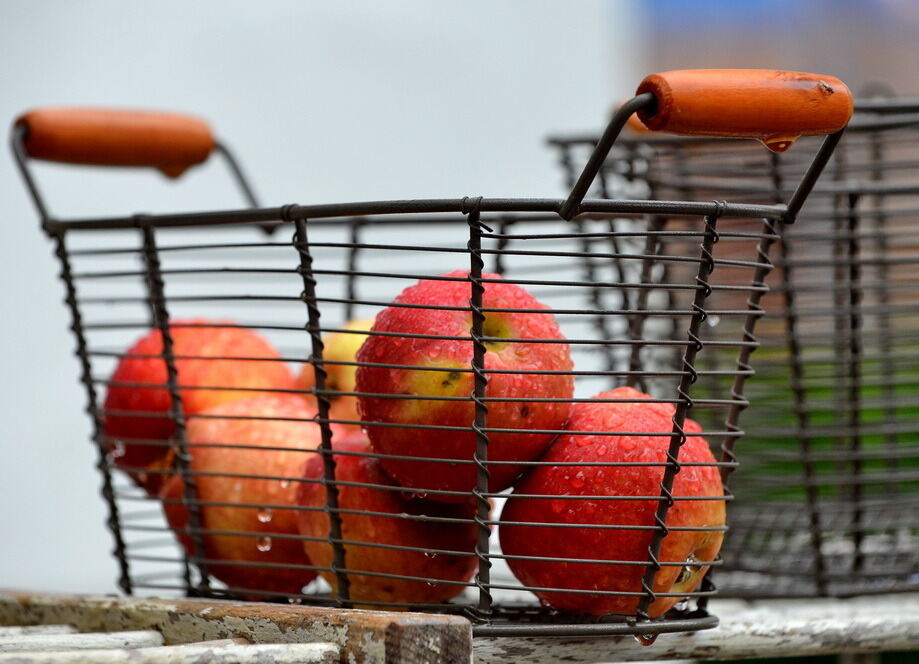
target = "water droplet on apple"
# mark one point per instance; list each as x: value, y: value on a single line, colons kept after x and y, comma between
x: 578, y: 480
x: 263, y: 544
x: 435, y: 351
x: 682, y: 605
x: 557, y: 505
x: 627, y: 444
x: 264, y: 516
x: 602, y: 450
x: 430, y: 554
x: 431, y: 584
x: 583, y: 441
x: 118, y: 451
x: 285, y: 484
x: 294, y: 600
x: 646, y: 639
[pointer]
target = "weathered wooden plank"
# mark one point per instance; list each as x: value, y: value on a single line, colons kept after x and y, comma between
x: 774, y: 629
x: 93, y: 641
x: 233, y: 653
x: 37, y: 629
x: 374, y: 637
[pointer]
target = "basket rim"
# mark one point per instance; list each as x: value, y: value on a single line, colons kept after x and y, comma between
x: 368, y: 210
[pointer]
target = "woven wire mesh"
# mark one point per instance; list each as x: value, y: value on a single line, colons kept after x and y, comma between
x: 827, y: 494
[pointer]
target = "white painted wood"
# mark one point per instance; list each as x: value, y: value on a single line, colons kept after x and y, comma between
x: 37, y: 629
x: 199, y: 653
x: 94, y: 641
x: 761, y: 629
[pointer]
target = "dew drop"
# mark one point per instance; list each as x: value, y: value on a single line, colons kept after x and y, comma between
x: 627, y: 444
x: 431, y: 584
x: 435, y: 351
x: 430, y: 554
x: 583, y: 441
x: 578, y: 480
x: 557, y: 505
x: 118, y: 451
x: 713, y: 320
x: 646, y: 639
x: 264, y: 516
x: 285, y: 484
x: 602, y: 450
x: 263, y: 544
x: 294, y: 600
x: 779, y: 143
x: 682, y: 605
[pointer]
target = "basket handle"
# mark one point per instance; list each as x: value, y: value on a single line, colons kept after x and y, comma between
x: 169, y: 142
x: 775, y: 107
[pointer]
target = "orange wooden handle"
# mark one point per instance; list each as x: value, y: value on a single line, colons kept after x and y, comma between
x: 776, y: 107
x: 169, y: 142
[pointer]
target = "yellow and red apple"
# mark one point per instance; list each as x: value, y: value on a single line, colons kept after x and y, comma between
x: 526, y: 360
x: 339, y: 347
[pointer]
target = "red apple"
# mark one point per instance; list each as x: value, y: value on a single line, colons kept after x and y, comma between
x: 137, y: 411
x: 381, y: 529
x: 232, y: 439
x: 453, y: 379
x: 694, y: 548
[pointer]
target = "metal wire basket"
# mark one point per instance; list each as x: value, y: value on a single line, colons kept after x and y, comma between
x: 236, y: 481
x: 830, y: 482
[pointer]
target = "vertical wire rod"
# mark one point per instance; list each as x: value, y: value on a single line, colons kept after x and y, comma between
x: 802, y: 415
x: 854, y: 332
x: 301, y: 243
x: 483, y: 506
x: 157, y: 300
x: 678, y: 436
x: 76, y: 325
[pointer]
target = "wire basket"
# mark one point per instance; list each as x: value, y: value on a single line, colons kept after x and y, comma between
x: 830, y: 481
x: 556, y: 301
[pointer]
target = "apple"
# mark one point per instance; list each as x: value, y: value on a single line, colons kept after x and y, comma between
x: 233, y: 439
x: 136, y: 420
x: 398, y: 529
x: 437, y: 366
x: 339, y: 347
x: 693, y: 549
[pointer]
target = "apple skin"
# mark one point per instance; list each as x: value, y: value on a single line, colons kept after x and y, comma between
x: 625, y: 545
x: 302, y: 435
x: 385, y: 530
x: 338, y: 347
x: 192, y: 373
x: 447, y: 354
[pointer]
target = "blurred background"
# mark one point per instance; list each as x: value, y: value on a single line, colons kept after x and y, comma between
x: 329, y: 102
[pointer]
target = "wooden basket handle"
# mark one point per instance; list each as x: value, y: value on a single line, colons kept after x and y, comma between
x: 169, y: 142
x: 776, y: 107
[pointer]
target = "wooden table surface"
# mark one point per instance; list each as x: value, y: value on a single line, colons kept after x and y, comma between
x: 775, y: 628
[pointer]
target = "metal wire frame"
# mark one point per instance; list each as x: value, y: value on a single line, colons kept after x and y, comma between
x: 833, y: 514
x: 479, y: 215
